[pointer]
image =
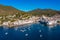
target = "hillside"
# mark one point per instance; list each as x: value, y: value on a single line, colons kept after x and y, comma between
x: 47, y: 12
x: 8, y: 10
x: 8, y: 13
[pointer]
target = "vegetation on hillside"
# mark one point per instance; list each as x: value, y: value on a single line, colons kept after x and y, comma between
x: 47, y: 12
x: 8, y: 13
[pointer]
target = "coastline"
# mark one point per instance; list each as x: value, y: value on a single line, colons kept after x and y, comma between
x: 50, y: 21
x: 20, y: 22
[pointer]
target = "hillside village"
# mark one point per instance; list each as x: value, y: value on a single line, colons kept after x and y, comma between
x: 32, y: 19
x: 10, y: 16
x: 12, y: 21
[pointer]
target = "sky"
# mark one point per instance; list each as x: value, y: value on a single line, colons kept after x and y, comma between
x: 27, y: 5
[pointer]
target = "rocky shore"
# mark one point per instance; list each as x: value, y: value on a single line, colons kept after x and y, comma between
x: 20, y: 22
x: 50, y: 21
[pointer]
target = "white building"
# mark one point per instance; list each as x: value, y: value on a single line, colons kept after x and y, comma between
x: 5, y: 23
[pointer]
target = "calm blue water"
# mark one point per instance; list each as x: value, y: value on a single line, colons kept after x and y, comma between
x: 30, y: 32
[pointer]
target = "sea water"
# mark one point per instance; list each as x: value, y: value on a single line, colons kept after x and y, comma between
x: 34, y: 31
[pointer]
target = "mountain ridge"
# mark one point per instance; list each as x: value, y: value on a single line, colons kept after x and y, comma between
x: 7, y: 10
x: 45, y: 11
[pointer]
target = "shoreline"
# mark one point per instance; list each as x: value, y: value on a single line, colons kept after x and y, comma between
x: 10, y: 26
x: 33, y: 19
x: 20, y: 22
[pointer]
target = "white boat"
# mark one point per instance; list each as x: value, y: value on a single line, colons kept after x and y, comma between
x: 51, y: 23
